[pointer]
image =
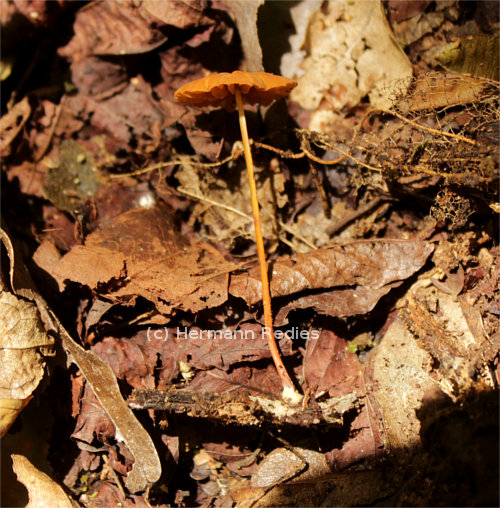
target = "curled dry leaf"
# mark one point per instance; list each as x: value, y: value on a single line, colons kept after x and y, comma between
x: 283, y: 464
x: 373, y: 264
x: 140, y: 253
x: 23, y: 345
x: 147, y: 468
x: 112, y: 28
x: 177, y: 13
x: 245, y: 15
x: 42, y: 490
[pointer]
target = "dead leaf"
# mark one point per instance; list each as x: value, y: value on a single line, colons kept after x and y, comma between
x: 9, y: 410
x: 23, y: 344
x: 401, y: 372
x: 375, y: 264
x: 245, y: 15
x: 140, y: 253
x: 435, y: 90
x: 43, y: 491
x: 283, y: 464
x: 73, y: 179
x: 345, y: 45
x: 329, y: 368
x: 11, y: 124
x: 476, y: 55
x: 147, y: 468
x: 178, y: 13
x: 112, y: 28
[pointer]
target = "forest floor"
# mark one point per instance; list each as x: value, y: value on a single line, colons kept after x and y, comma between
x: 135, y: 368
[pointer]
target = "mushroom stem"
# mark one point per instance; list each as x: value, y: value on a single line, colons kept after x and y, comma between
x: 289, y: 391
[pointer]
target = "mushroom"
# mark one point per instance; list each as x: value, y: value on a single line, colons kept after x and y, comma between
x: 229, y: 90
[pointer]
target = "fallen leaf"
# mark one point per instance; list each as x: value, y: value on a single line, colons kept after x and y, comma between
x: 140, y: 253
x: 282, y: 464
x: 177, y: 13
x: 74, y: 178
x: 42, y: 490
x: 245, y: 15
x: 147, y: 468
x: 24, y: 345
x: 11, y: 124
x: 329, y: 368
x: 476, y: 55
x: 401, y: 375
x: 346, y: 43
x: 373, y: 264
x: 112, y: 28
x: 435, y: 90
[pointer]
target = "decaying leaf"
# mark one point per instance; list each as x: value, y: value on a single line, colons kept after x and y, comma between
x: 73, y: 179
x: 364, y: 264
x: 11, y: 124
x: 363, y: 488
x: 402, y: 373
x: 330, y: 369
x: 435, y: 90
x: 177, y: 13
x: 43, y: 491
x: 24, y: 344
x: 147, y: 468
x: 245, y: 15
x: 283, y: 464
x: 112, y: 28
x: 140, y: 253
x: 476, y: 55
x: 346, y: 43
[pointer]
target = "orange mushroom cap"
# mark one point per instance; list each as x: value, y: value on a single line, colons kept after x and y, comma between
x: 218, y: 89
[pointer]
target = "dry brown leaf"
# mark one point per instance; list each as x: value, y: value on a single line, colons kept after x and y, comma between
x: 178, y: 13
x: 9, y: 410
x: 372, y: 263
x: 42, y: 490
x: 24, y: 344
x: 245, y: 15
x: 11, y: 124
x: 329, y: 368
x: 112, y: 28
x: 147, y: 468
x: 283, y: 464
x: 435, y: 90
x: 140, y: 253
x: 356, y: 488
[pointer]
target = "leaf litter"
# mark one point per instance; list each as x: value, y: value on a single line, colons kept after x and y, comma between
x: 379, y: 217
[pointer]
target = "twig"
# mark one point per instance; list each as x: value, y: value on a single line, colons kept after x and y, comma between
x: 428, y: 129
x: 284, y: 226
x: 166, y: 164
